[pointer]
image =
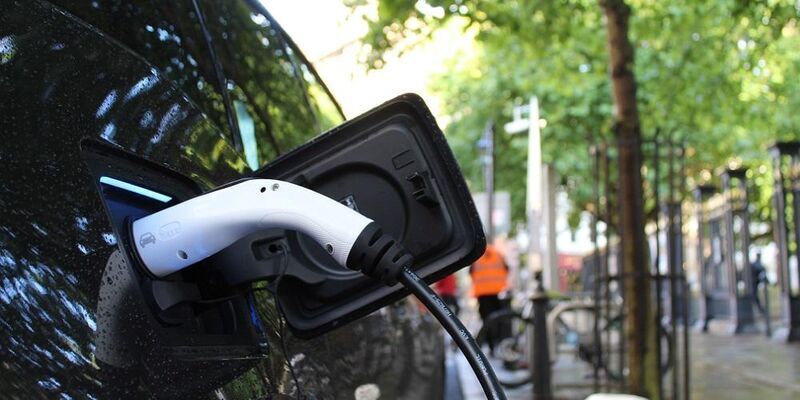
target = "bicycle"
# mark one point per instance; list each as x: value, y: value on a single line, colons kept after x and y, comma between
x: 515, y: 354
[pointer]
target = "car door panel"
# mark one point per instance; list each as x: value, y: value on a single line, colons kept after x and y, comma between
x: 63, y: 83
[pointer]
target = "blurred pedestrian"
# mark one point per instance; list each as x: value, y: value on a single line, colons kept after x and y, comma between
x: 489, y: 278
x: 759, y: 277
x: 447, y: 289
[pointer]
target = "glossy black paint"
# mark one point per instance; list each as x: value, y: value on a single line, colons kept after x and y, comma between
x: 131, y: 75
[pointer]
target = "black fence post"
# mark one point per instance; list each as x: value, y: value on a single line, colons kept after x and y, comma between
x: 786, y: 172
x: 737, y: 250
x: 704, y: 250
x: 542, y: 382
x: 597, y: 275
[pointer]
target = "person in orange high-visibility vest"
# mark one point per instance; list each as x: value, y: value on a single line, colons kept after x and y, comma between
x: 489, y: 278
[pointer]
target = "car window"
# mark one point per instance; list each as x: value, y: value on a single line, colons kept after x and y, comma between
x: 278, y: 91
x: 328, y: 111
x: 277, y: 98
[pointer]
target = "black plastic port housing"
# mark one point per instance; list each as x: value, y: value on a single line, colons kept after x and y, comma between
x: 392, y: 164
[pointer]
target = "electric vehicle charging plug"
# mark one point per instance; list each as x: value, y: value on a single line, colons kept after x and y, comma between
x: 186, y: 233
x: 182, y: 235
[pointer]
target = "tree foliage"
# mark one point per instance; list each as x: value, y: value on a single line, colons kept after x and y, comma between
x: 721, y: 76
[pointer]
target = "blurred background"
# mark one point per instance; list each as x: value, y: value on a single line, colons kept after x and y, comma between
x: 660, y: 167
x: 637, y: 152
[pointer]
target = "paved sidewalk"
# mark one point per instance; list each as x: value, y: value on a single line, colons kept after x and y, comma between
x: 744, y: 367
x: 723, y: 368
x: 571, y: 379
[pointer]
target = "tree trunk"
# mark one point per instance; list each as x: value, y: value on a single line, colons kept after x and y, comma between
x: 639, y: 330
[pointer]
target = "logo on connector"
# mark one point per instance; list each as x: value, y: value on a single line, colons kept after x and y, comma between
x: 146, y: 238
x: 169, y: 231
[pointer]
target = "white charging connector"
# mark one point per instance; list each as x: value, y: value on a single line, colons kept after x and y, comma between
x: 177, y: 237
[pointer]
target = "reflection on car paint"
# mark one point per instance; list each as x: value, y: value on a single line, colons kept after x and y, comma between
x: 135, y: 189
x: 8, y: 49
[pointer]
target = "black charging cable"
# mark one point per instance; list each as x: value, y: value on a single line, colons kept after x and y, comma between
x: 461, y: 336
x: 282, y: 321
x: 379, y: 256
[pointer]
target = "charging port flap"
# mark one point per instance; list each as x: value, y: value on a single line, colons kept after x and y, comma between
x: 393, y: 165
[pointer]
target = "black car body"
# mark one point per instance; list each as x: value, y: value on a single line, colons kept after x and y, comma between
x: 134, y: 77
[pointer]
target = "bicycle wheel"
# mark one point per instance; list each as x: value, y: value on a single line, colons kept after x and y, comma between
x: 667, y: 347
x: 510, y: 349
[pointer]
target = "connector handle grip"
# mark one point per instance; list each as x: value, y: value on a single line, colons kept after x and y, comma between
x: 186, y: 233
